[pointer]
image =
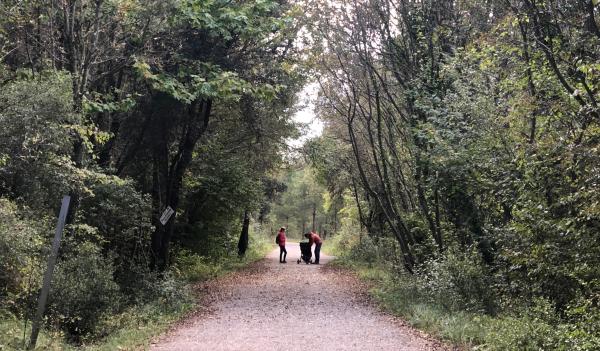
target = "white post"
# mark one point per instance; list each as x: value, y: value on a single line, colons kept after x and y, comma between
x: 37, y: 321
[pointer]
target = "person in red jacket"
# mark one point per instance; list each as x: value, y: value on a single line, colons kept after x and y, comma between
x: 280, y: 239
x: 316, y: 239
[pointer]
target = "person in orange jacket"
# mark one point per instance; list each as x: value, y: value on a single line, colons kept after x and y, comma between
x: 316, y: 239
x: 280, y: 239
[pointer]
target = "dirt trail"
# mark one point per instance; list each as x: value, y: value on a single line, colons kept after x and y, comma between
x: 273, y: 306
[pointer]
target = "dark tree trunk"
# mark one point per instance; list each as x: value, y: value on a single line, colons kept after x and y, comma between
x: 243, y: 243
x: 314, y: 214
x: 396, y: 224
x: 361, y: 217
x: 168, y: 173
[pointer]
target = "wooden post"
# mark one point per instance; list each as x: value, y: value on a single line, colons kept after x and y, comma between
x: 37, y: 321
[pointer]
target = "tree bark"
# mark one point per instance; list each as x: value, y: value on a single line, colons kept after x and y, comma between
x: 244, y: 237
x: 168, y: 174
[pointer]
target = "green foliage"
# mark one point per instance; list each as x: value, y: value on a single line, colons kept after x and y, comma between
x: 458, y: 281
x: 12, y: 332
x: 473, y: 142
x: 20, y: 245
x: 448, y: 297
x: 512, y: 333
x: 581, y: 330
x: 135, y: 327
x: 295, y: 206
x: 121, y: 227
x: 181, y: 103
x: 228, y: 20
x: 193, y: 267
x: 83, y: 290
x: 36, y: 115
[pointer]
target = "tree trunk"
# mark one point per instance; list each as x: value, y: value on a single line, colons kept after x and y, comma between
x: 168, y: 173
x: 243, y: 242
x: 314, y: 214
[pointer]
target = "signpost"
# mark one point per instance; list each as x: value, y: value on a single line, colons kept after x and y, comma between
x: 37, y: 321
x: 167, y: 213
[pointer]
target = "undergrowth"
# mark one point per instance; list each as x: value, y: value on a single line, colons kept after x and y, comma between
x: 135, y: 327
x: 440, y: 310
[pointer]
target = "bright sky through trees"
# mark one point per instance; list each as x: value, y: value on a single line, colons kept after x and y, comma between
x: 313, y: 126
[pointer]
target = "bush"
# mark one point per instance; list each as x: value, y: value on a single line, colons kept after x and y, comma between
x: 162, y: 287
x: 13, y: 335
x: 20, y: 245
x: 458, y: 281
x: 350, y: 244
x: 193, y: 267
x: 364, y: 250
x: 82, y: 291
x: 510, y: 333
x: 36, y: 115
x: 120, y: 216
x: 582, y: 332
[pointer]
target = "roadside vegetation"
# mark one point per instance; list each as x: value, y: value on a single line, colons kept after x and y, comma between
x: 442, y: 301
x: 465, y: 134
x: 131, y: 107
x: 168, y: 298
x: 458, y: 169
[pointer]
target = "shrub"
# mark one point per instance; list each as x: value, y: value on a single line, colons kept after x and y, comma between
x: 458, y: 281
x: 20, y: 244
x: 36, y: 115
x: 152, y: 286
x: 193, y: 267
x: 511, y: 333
x: 120, y: 216
x: 582, y: 332
x: 364, y: 250
x: 82, y: 291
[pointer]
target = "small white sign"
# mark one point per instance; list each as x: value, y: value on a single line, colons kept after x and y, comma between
x: 164, y: 218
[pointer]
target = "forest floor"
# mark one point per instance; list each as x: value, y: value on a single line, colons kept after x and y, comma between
x: 273, y: 306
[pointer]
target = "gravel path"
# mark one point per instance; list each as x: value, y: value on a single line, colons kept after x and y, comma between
x: 273, y: 306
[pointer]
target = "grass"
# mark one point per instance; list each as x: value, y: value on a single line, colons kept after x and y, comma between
x: 195, y: 268
x: 396, y: 294
x: 134, y: 330
x: 12, y: 332
x: 400, y: 298
x: 141, y: 325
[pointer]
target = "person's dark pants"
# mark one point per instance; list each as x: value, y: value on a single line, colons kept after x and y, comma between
x: 317, y: 252
x: 282, y: 252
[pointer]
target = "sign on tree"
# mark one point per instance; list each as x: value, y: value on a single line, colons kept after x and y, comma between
x: 167, y: 213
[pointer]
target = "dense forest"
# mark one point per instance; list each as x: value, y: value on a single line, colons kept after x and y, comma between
x: 467, y: 133
x: 130, y: 107
x: 460, y: 156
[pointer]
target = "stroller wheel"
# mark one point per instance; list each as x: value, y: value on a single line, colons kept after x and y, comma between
x: 298, y: 262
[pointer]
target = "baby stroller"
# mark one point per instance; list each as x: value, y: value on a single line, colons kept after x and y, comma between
x: 306, y: 253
